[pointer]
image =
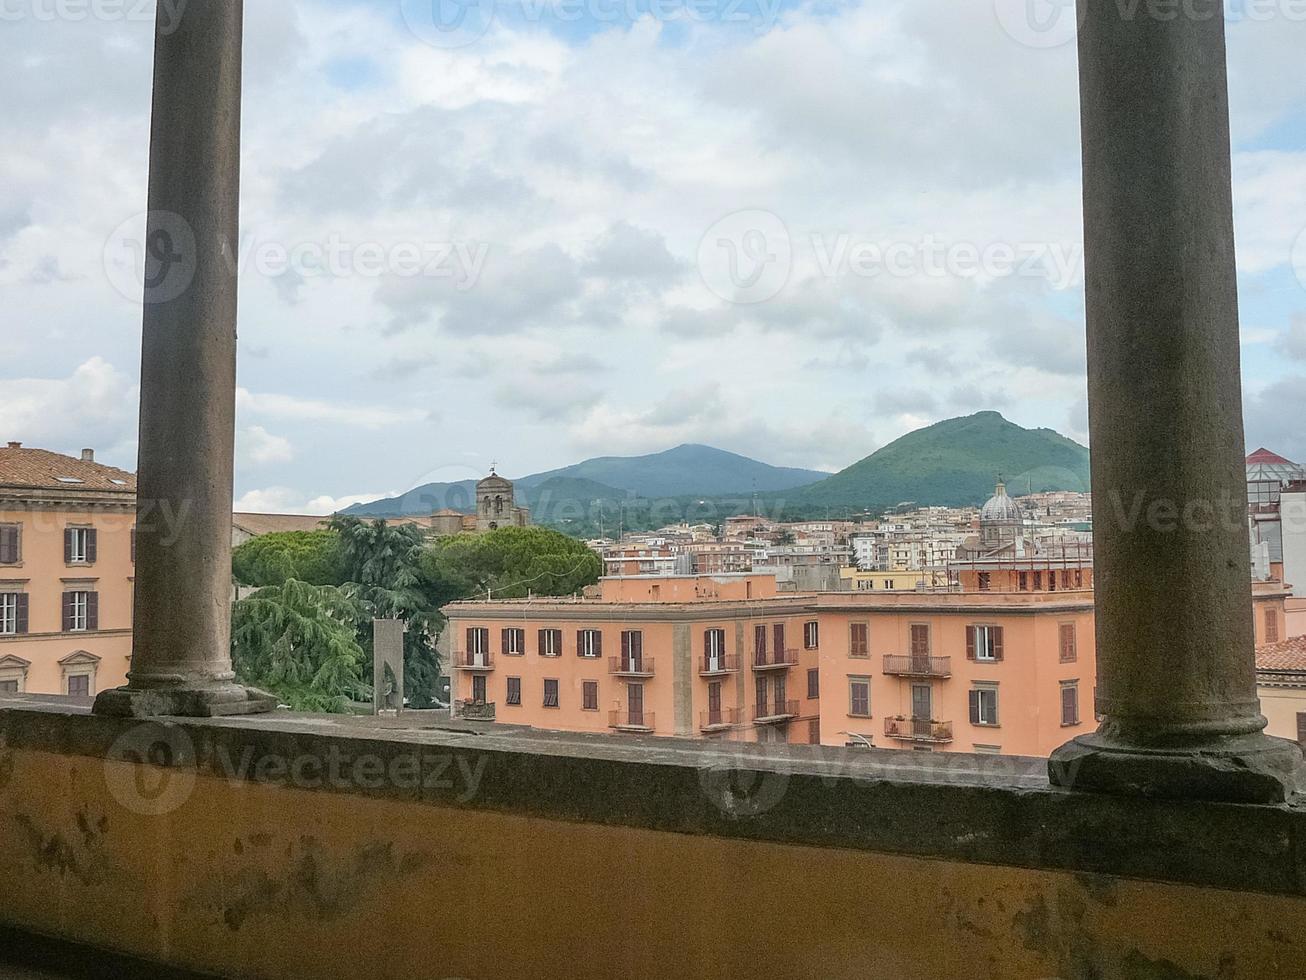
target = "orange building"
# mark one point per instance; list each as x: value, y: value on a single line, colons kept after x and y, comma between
x: 66, y: 572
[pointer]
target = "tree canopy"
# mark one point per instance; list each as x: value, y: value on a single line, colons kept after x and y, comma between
x: 510, y: 563
x: 314, y: 557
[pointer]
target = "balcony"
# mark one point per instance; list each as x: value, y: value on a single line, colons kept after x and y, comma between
x: 720, y: 720
x: 473, y: 661
x: 774, y: 714
x: 775, y: 659
x: 916, y: 666
x: 470, y: 709
x: 715, y: 666
x: 630, y: 721
x: 630, y: 666
x: 918, y: 730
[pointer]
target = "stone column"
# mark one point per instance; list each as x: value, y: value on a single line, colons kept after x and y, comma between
x: 181, y: 662
x: 1176, y: 670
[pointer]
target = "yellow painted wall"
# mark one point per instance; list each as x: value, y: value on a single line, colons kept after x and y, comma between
x: 257, y: 881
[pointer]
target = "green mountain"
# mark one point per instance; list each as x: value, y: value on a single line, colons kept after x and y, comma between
x: 686, y: 471
x: 952, y: 463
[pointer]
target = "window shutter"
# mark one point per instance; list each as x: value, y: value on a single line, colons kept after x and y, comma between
x: 8, y: 545
x: 471, y: 639
x: 1301, y: 727
x: 91, y: 546
x: 779, y: 641
x: 22, y: 612
x: 707, y: 643
x: 92, y: 610
x: 67, y: 611
x: 541, y: 638
x: 625, y: 644
x: 759, y: 634
x: 598, y: 644
x: 504, y: 642
x: 580, y: 643
x: 133, y: 546
x: 974, y: 707
x: 970, y: 642
x: 67, y: 545
x: 996, y: 633
x: 1069, y: 705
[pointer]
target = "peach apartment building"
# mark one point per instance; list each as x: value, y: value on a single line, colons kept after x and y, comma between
x: 66, y: 572
x: 713, y: 656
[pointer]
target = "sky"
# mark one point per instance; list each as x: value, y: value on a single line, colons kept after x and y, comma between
x: 535, y: 232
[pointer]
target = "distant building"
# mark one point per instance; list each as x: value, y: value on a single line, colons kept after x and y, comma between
x: 1281, y: 686
x: 67, y: 555
x: 1003, y: 530
x: 496, y: 506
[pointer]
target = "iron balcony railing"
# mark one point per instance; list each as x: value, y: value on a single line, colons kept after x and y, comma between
x: 918, y: 729
x: 473, y: 661
x: 720, y: 663
x: 774, y: 659
x: 765, y: 714
x: 631, y: 721
x: 630, y: 666
x: 914, y: 665
x: 721, y: 718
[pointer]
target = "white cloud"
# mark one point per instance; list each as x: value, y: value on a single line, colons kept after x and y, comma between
x: 95, y: 406
x: 256, y: 445
x: 284, y: 500
x: 280, y: 406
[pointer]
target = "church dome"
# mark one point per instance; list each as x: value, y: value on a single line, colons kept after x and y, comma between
x: 1001, y: 509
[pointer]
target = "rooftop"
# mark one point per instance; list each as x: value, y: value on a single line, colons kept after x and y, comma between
x: 40, y: 469
x: 1287, y: 655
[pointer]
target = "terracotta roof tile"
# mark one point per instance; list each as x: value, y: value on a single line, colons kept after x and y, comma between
x: 40, y: 469
x: 1285, y: 655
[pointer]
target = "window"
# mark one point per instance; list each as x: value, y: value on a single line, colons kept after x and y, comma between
x: 478, y: 640
x: 920, y: 640
x: 985, y: 581
x: 11, y: 547
x: 759, y: 643
x: 984, y: 643
x: 1023, y: 578
x: 714, y: 644
x: 813, y: 683
x: 550, y: 643
x: 79, y: 545
x: 8, y: 687
x: 13, y: 613
x: 814, y: 731
x: 479, y: 695
x: 1069, y: 703
x: 859, y: 697
x: 80, y: 612
x: 714, y: 703
x: 811, y: 635
x: 514, y: 642
x: 984, y: 706
x: 79, y: 686
x: 761, y: 691
x: 1038, y: 581
x: 859, y: 644
x: 1068, y: 652
x: 1271, y: 626
x: 589, y: 644
x: 590, y: 696
x: 514, y: 690
x: 632, y: 650
x: 551, y: 693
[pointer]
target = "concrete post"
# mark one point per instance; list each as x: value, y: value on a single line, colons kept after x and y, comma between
x: 1176, y: 669
x: 181, y: 662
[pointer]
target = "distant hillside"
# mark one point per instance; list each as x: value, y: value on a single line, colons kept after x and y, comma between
x: 686, y: 471
x: 951, y: 464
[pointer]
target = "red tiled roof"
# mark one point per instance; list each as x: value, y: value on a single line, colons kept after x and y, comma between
x: 1264, y: 455
x: 40, y: 469
x: 1284, y: 655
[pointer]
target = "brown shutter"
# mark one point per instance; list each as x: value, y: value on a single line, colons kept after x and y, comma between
x: 91, y: 545
x: 759, y: 635
x: 22, y: 612
x: 580, y: 643
x: 67, y: 545
x: 974, y: 708
x: 8, y: 545
x: 541, y: 641
x: 970, y: 642
x: 67, y: 611
x: 133, y: 546
x: 1301, y: 727
x: 996, y: 633
x: 471, y: 632
x: 503, y: 641
x: 625, y: 646
x: 92, y: 610
x: 1069, y: 705
x: 598, y: 644
x: 779, y: 641
x: 637, y: 643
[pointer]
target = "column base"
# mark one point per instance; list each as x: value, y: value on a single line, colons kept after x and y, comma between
x: 213, y: 701
x: 1253, y: 768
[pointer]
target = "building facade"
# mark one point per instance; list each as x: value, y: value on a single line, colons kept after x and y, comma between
x: 67, y: 552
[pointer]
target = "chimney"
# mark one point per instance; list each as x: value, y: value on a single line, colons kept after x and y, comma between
x: 15, y: 445
x: 88, y: 455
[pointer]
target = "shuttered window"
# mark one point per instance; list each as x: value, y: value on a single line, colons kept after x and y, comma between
x: 1068, y: 652
x: 813, y: 683
x: 811, y: 635
x: 550, y: 694
x: 589, y: 644
x: 859, y: 697
x: 550, y: 643
x: 859, y: 640
x: 13, y: 613
x: 590, y: 696
x: 514, y: 690
x: 81, y: 612
x: 1069, y: 704
x: 79, y: 545
x: 984, y: 706
x: 1271, y: 626
x: 514, y: 642
x: 984, y: 643
x: 920, y: 640
x: 11, y: 552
